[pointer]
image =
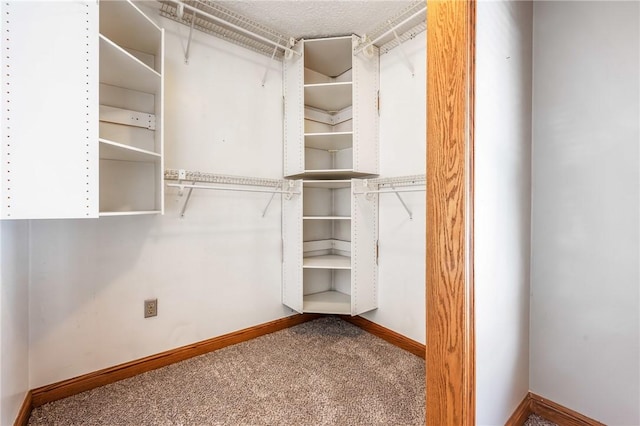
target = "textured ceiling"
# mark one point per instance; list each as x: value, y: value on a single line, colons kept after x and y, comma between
x: 319, y: 18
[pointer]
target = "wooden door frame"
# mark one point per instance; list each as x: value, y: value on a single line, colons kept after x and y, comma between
x: 450, y: 343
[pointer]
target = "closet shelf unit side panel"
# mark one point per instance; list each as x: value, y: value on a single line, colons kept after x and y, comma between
x: 49, y: 98
x: 293, y: 70
x: 364, y: 248
x: 366, y: 83
x: 292, y: 268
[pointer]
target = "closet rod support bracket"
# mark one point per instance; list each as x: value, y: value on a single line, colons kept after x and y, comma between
x: 402, y: 202
x: 276, y: 188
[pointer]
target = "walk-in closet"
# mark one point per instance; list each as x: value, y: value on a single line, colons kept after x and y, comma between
x: 301, y: 212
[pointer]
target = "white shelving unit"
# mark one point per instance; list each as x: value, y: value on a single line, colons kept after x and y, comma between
x: 331, y: 110
x: 131, y: 111
x: 330, y: 238
x: 86, y: 111
x: 331, y: 137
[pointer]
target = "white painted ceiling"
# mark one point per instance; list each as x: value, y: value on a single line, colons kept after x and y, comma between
x: 319, y: 18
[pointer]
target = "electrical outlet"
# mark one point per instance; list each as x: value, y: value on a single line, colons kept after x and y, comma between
x: 150, y: 308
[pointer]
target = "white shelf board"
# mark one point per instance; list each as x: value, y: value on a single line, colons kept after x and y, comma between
x: 126, y: 25
x: 329, y: 141
x: 130, y: 213
x: 327, y: 302
x: 119, y: 68
x: 326, y: 217
x: 328, y: 96
x: 110, y: 150
x: 328, y: 184
x: 328, y: 261
x: 330, y: 174
x: 329, y: 56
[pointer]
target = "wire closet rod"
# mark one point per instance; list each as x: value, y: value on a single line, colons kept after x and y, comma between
x: 389, y: 31
x: 234, y: 26
x: 220, y: 188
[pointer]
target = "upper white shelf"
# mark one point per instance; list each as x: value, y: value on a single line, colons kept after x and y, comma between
x: 119, y: 68
x: 329, y: 141
x: 125, y: 24
x: 329, y: 261
x: 328, y: 96
x: 329, y: 56
x: 110, y: 150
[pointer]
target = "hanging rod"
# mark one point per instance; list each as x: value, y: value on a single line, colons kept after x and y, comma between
x: 400, y: 180
x: 359, y: 49
x: 221, y: 188
x: 194, y: 177
x: 238, y: 28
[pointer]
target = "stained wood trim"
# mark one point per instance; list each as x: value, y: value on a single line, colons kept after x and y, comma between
x: 522, y: 412
x: 450, y: 360
x: 73, y: 386
x: 25, y: 411
x: 384, y: 333
x: 559, y: 414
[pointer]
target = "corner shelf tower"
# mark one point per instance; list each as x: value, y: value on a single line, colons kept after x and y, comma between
x: 331, y: 140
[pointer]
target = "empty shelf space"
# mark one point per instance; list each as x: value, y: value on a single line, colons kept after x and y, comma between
x: 126, y: 25
x: 330, y: 141
x: 119, y: 68
x: 327, y: 302
x: 110, y: 150
x: 328, y: 184
x: 130, y: 213
x: 329, y: 56
x: 328, y: 96
x: 328, y: 261
x: 326, y: 217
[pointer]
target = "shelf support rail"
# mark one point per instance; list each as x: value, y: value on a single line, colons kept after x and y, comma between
x: 402, y: 52
x: 272, y: 186
x: 416, y: 180
x: 362, y: 47
x: 235, y: 27
x: 266, y: 67
x: 193, y: 21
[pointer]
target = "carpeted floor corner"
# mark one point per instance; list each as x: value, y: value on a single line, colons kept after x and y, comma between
x: 535, y: 420
x: 324, y: 372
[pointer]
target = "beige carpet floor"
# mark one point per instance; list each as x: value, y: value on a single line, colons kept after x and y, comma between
x: 324, y: 372
x: 535, y: 420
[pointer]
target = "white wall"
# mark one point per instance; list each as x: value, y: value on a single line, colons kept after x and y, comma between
x: 14, y: 318
x: 585, y: 331
x: 502, y: 207
x: 213, y: 272
x: 401, y: 265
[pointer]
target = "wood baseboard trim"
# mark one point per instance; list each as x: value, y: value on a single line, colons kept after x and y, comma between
x: 559, y: 414
x: 25, y: 410
x: 66, y: 388
x: 522, y: 412
x: 390, y: 336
